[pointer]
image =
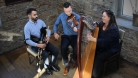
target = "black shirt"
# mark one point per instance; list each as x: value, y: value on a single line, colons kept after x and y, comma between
x: 108, y: 40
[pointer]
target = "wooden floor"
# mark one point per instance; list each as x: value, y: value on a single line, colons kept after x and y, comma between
x: 15, y: 64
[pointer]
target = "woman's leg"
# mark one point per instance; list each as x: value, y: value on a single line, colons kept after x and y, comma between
x: 99, y: 61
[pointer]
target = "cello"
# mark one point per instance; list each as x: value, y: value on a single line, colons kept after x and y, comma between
x: 86, y: 58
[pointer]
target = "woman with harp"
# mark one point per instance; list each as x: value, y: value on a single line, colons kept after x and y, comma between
x: 107, y: 44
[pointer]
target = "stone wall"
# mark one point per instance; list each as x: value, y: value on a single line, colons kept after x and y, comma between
x: 14, y: 18
x: 90, y: 7
x: 130, y: 45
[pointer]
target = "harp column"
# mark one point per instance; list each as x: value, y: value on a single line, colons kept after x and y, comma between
x: 0, y: 22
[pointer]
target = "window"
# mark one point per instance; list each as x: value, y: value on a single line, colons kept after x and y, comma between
x: 10, y: 2
x: 125, y: 8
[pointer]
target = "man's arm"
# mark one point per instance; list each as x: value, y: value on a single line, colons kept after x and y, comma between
x: 55, y: 29
x: 28, y: 37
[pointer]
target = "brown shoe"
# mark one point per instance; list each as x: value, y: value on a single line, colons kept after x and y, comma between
x: 66, y: 70
x: 73, y: 64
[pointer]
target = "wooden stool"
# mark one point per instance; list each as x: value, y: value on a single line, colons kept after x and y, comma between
x: 32, y: 55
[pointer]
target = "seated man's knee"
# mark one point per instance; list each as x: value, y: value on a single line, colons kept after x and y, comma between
x: 55, y: 53
x: 45, y: 54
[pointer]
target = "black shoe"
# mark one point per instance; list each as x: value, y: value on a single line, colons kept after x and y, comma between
x: 54, y: 68
x: 48, y: 71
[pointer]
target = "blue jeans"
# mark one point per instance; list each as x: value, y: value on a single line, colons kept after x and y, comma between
x: 49, y: 50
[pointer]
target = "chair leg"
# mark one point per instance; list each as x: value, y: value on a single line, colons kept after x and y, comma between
x: 104, y: 69
x: 33, y: 58
x: 62, y: 61
x: 118, y: 62
x: 37, y: 60
x: 29, y: 58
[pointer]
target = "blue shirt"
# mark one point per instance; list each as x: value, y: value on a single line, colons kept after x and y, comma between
x: 67, y: 29
x: 33, y: 28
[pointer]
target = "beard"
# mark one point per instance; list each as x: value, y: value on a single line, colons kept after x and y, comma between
x: 35, y: 19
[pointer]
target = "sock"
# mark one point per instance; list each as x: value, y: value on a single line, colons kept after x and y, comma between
x: 46, y: 63
x: 53, y: 57
x: 67, y: 64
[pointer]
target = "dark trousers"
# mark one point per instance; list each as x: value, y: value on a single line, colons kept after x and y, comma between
x: 49, y: 50
x: 65, y: 42
x: 99, y: 61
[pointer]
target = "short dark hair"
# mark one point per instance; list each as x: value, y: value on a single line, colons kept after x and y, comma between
x: 66, y: 4
x: 30, y: 10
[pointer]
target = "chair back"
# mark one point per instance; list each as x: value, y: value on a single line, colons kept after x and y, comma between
x: 122, y: 33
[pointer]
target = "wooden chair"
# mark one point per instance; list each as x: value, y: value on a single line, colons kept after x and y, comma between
x: 32, y: 55
x: 115, y: 58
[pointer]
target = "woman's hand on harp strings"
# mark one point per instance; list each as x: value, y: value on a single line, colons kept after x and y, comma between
x: 91, y: 38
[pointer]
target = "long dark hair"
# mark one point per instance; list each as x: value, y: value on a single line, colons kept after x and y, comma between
x: 112, y: 21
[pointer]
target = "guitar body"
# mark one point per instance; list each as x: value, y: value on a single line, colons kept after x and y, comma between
x: 86, y: 60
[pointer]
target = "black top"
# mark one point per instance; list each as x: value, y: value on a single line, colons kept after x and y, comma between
x: 108, y: 40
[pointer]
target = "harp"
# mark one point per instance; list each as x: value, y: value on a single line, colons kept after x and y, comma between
x: 86, y: 49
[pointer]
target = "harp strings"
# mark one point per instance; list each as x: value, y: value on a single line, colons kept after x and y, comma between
x: 88, y: 22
